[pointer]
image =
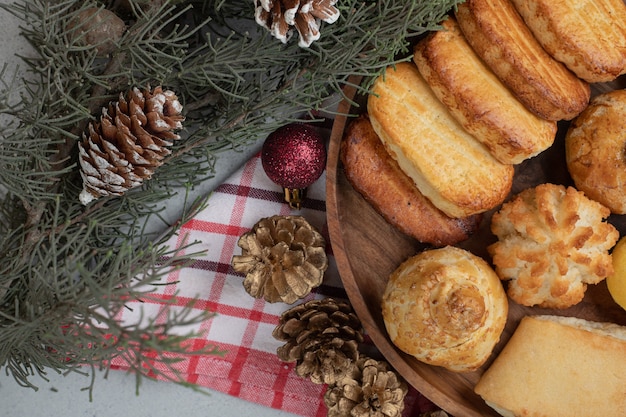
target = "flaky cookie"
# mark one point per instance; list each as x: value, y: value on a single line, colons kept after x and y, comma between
x: 377, y: 177
x: 497, y: 33
x: 588, y: 36
x: 552, y: 242
x: 445, y: 307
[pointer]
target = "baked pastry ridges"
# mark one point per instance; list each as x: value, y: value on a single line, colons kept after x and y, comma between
x: 478, y: 99
x: 497, y: 33
x: 448, y: 165
x: 588, y: 36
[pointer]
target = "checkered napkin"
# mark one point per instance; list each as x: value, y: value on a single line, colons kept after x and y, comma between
x: 243, y: 325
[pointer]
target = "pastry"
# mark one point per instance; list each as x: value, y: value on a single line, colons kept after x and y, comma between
x: 445, y: 307
x: 450, y: 167
x: 616, y: 282
x: 594, y: 150
x: 559, y: 367
x: 497, y: 33
x: 588, y: 36
x: 392, y: 193
x: 552, y: 242
x: 481, y: 103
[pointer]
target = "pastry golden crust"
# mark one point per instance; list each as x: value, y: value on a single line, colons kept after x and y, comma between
x: 594, y: 150
x: 497, y: 33
x: 559, y: 367
x: 445, y: 307
x: 481, y: 103
x: 552, y: 242
x: 588, y: 36
x: 448, y: 165
x: 392, y: 193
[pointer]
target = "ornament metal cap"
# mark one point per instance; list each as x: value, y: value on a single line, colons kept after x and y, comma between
x: 295, y: 196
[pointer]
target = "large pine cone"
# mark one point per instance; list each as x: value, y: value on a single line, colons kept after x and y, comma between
x: 279, y: 16
x: 128, y: 142
x: 371, y: 389
x: 323, y: 338
x: 283, y: 257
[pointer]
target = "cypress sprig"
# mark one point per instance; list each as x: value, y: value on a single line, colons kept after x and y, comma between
x: 68, y: 269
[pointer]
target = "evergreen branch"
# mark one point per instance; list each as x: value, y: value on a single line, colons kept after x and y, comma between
x: 69, y: 270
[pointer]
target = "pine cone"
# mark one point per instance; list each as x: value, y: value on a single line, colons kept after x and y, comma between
x: 322, y: 337
x: 278, y: 16
x: 97, y: 27
x: 369, y: 390
x: 283, y: 258
x: 129, y: 142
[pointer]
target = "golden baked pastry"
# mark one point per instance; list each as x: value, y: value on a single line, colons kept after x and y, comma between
x: 616, y: 282
x: 481, y: 103
x: 559, y: 367
x: 552, y: 242
x: 595, y: 146
x: 497, y: 33
x: 448, y: 165
x: 588, y: 36
x: 445, y: 307
x: 377, y: 177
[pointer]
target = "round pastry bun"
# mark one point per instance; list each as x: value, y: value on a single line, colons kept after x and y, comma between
x: 595, y: 147
x: 445, y: 307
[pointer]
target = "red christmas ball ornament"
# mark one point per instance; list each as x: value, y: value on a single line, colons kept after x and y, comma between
x: 294, y: 157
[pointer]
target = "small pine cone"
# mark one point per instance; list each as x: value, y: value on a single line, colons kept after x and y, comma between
x: 279, y: 16
x: 369, y: 390
x: 131, y: 139
x: 323, y: 338
x: 98, y: 27
x: 283, y: 257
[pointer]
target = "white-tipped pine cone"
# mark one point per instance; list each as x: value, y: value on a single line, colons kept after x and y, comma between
x: 281, y: 16
x: 129, y: 141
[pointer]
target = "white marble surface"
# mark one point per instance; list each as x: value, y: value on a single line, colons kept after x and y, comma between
x: 116, y: 395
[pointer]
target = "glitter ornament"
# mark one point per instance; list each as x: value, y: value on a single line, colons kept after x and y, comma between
x: 294, y: 157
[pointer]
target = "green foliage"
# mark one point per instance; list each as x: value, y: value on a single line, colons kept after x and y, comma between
x: 68, y: 269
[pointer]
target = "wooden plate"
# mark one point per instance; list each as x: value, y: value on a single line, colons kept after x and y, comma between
x: 367, y: 250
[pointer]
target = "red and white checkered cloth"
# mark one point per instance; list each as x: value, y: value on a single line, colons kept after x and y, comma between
x: 243, y: 325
